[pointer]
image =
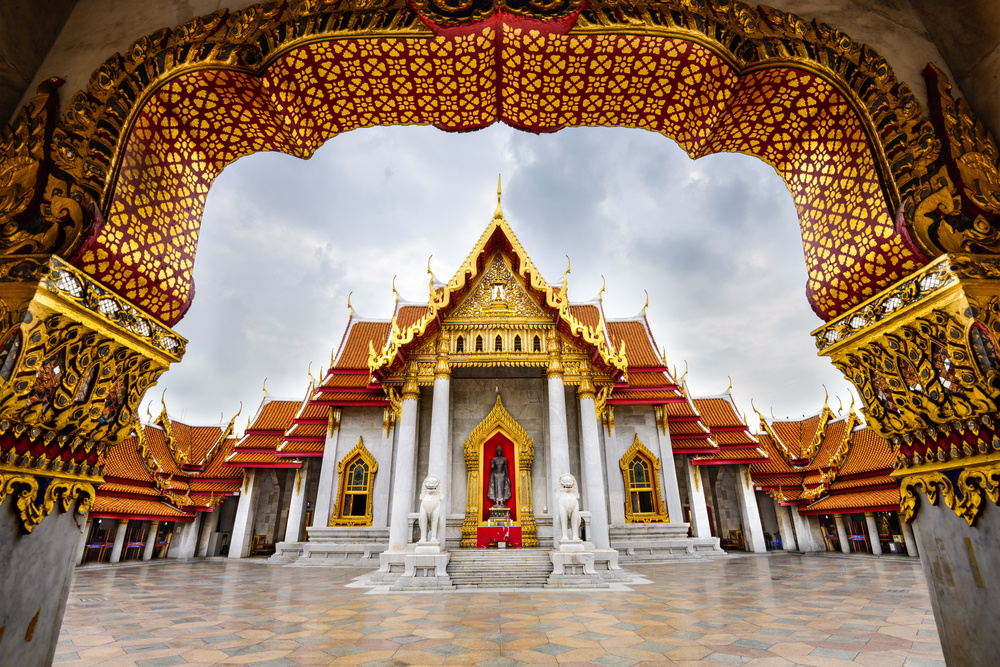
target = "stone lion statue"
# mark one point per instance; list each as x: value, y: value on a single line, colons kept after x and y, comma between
x: 569, y: 508
x: 431, y: 497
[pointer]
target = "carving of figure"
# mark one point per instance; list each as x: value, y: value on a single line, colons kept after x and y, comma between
x: 431, y: 497
x: 569, y: 508
x: 499, y: 488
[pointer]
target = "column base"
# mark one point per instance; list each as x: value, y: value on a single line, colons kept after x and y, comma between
x: 424, y: 571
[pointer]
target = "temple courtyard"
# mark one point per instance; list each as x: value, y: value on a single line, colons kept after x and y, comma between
x: 776, y: 609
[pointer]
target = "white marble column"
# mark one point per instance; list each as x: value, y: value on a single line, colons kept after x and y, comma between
x: 438, y: 450
x: 327, y: 489
x: 297, y: 505
x: 873, y: 533
x: 406, y: 451
x: 668, y: 469
x: 208, y: 525
x: 700, y: 526
x: 616, y: 483
x: 596, y: 496
x: 239, y: 545
x: 558, y: 431
x: 808, y: 531
x: 185, y: 540
x: 911, y: 543
x: 753, y: 530
x: 785, y: 526
x: 147, y: 551
x: 380, y: 499
x: 119, y: 545
x: 81, y: 551
x: 845, y: 545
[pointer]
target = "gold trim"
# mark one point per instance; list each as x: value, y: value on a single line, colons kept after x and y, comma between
x: 32, y: 509
x: 973, y: 484
x: 499, y: 421
x: 639, y: 450
x: 359, y: 452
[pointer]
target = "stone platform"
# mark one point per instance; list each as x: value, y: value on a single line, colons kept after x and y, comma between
x: 661, y: 542
x: 340, y: 545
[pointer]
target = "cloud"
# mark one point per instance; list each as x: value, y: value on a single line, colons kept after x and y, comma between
x: 283, y: 242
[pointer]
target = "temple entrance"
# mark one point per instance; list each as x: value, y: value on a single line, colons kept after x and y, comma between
x: 498, y: 458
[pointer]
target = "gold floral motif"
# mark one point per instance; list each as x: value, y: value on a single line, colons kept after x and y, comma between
x: 966, y: 501
x: 31, y: 508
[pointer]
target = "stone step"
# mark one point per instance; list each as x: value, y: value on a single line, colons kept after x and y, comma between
x: 507, y: 568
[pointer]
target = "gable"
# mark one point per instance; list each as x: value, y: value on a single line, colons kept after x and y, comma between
x: 498, y: 294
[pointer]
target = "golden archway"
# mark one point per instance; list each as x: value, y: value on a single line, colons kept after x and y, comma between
x: 499, y: 421
x: 634, y: 512
x: 356, y: 480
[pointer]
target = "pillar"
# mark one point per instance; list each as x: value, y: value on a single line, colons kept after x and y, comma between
x: 239, y: 546
x: 327, y: 489
x: 119, y: 545
x: 209, y: 523
x: 147, y: 551
x: 596, y: 495
x: 785, y: 526
x: 753, y: 530
x: 380, y: 509
x: 558, y: 432
x: 185, y: 541
x: 297, y: 505
x: 845, y: 545
x: 911, y: 543
x: 700, y: 526
x: 808, y: 531
x: 616, y: 484
x: 671, y: 493
x: 437, y: 455
x: 406, y: 450
x: 873, y: 533
x: 81, y: 550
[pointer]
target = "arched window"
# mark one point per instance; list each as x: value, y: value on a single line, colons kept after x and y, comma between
x: 460, y: 345
x: 517, y: 343
x: 479, y: 343
x: 641, y: 472
x: 536, y: 346
x: 357, y: 479
x: 498, y: 344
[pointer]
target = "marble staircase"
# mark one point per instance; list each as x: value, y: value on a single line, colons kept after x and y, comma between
x: 500, y: 568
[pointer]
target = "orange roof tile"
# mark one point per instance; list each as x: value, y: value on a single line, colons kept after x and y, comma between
x: 275, y: 415
x: 217, y: 469
x: 688, y: 428
x: 718, y: 412
x: 262, y: 459
x: 775, y: 463
x: 639, y: 380
x: 353, y: 352
x: 744, y: 454
x: 135, y: 507
x: 862, y: 482
x: 868, y: 452
x: 407, y: 315
x: 733, y: 438
x: 258, y: 441
x: 346, y: 380
x: 112, y: 487
x: 588, y: 314
x: 638, y: 347
x: 796, y: 435
x: 296, y: 448
x: 832, y: 441
x: 156, y: 440
x: 848, y: 502
x: 123, y: 460
x: 659, y: 394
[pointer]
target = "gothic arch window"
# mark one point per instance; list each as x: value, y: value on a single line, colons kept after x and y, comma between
x: 357, y: 480
x: 517, y: 343
x: 479, y: 343
x: 460, y: 344
x: 498, y: 344
x: 641, y: 473
x: 536, y: 346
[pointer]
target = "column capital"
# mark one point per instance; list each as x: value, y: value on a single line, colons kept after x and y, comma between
x: 554, y: 348
x: 442, y: 369
x: 838, y: 516
x: 586, y: 387
x: 410, y: 388
x: 869, y: 515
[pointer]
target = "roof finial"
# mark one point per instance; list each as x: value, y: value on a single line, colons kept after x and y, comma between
x: 394, y: 291
x: 646, y: 304
x: 265, y: 387
x: 238, y: 411
x: 349, y: 304
x: 498, y: 213
x: 569, y: 268
x: 730, y: 389
x: 604, y: 284
x: 433, y: 278
x: 826, y: 398
x: 312, y: 380
x: 840, y: 408
x: 772, y: 413
x: 222, y: 415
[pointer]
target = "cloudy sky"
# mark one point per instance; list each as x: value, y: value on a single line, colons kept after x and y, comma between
x: 715, y: 242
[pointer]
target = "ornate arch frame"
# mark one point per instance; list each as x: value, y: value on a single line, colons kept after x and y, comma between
x: 639, y: 449
x: 499, y: 421
x: 359, y: 451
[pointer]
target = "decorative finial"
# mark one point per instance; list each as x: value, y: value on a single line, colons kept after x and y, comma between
x: 840, y: 408
x: 312, y: 380
x: 646, y: 305
x: 238, y: 411
x: 265, y: 387
x: 433, y: 278
x: 148, y: 413
x: 394, y: 291
x: 163, y: 402
x: 826, y: 398
x: 730, y: 389
x: 222, y: 415
x: 772, y: 413
x: 604, y: 284
x: 498, y: 213
x: 684, y: 377
x: 569, y: 268
x: 349, y: 304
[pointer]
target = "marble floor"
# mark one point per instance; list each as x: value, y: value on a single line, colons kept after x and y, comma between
x: 782, y: 609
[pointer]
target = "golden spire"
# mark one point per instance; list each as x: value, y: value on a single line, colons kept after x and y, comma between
x: 349, y: 304
x: 265, y: 388
x: 604, y: 283
x: 646, y: 304
x: 498, y: 213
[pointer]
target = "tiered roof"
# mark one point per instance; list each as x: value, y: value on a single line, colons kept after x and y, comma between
x: 167, y: 471
x: 265, y: 435
x: 730, y: 433
x: 826, y: 464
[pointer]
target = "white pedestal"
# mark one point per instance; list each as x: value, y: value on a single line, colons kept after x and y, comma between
x: 422, y: 570
x: 572, y: 567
